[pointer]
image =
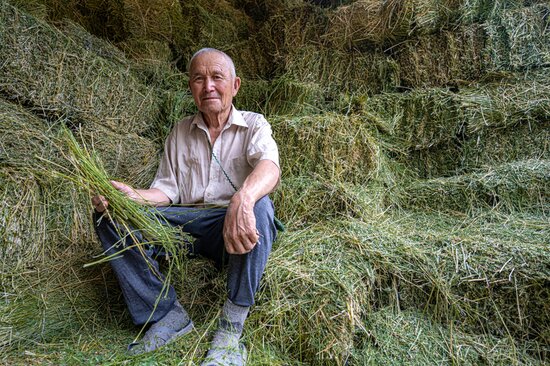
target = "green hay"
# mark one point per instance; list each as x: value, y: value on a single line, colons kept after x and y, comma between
x: 520, y: 186
x: 129, y: 157
x: 416, y: 120
x: 337, y: 147
x: 520, y: 98
x: 24, y: 138
x: 23, y: 221
x: 214, y: 24
x: 290, y: 30
x: 339, y: 72
x: 312, y: 298
x: 410, y: 338
x: 304, y: 200
x: 487, y: 273
x: 281, y: 96
x: 519, y: 39
x: 517, y: 142
x: 368, y: 22
x: 445, y: 58
x: 479, y: 11
x: 47, y: 71
x: 162, y: 21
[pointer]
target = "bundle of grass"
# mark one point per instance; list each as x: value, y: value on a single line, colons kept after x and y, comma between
x: 369, y: 22
x: 214, y: 24
x: 493, y: 147
x: 408, y: 337
x: 519, y: 39
x: 281, y: 96
x: 487, y: 273
x: 23, y: 220
x: 303, y: 200
x: 520, y: 98
x: 338, y: 147
x: 517, y: 186
x: 479, y: 11
x: 50, y: 73
x: 339, y: 72
x: 24, y: 138
x: 312, y: 298
x: 444, y: 58
x: 289, y: 31
x: 416, y: 120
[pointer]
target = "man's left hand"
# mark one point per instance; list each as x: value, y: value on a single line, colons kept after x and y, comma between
x: 239, y: 229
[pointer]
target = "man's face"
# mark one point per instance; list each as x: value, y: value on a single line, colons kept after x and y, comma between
x: 212, y: 85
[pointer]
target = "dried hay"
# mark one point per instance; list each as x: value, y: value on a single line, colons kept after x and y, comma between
x: 487, y: 273
x: 48, y: 72
x: 337, y: 147
x: 313, y: 295
x: 517, y: 186
x: 519, y: 39
x: 214, y: 24
x: 521, y: 97
x: 302, y: 201
x: 22, y: 216
x: 408, y: 337
x: 517, y: 142
x: 128, y: 158
x: 446, y: 58
x: 418, y: 119
x: 369, y: 22
x: 287, y: 32
x: 339, y: 72
x: 24, y: 138
x: 480, y: 11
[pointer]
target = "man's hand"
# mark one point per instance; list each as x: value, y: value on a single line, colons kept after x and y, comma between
x: 239, y: 229
x: 100, y: 203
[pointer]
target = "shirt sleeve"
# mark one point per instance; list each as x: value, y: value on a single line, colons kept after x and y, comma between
x: 262, y: 145
x: 166, y: 177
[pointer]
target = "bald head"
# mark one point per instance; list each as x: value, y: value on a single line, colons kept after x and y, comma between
x: 202, y: 51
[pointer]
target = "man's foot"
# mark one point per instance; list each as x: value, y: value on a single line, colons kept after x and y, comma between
x: 226, y: 356
x: 173, y: 325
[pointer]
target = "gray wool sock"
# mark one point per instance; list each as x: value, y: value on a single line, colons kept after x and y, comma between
x: 230, y: 325
x: 175, y: 319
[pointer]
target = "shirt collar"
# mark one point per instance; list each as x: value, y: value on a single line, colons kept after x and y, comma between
x: 235, y: 118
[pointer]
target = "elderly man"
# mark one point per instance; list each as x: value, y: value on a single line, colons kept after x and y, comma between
x: 219, y: 156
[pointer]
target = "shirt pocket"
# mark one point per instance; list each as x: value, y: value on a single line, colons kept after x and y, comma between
x: 238, y: 169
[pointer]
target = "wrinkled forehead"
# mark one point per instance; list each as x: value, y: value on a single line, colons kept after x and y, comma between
x: 210, y: 62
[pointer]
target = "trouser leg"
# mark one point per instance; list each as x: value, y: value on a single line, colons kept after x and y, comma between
x: 244, y: 271
x: 137, y: 273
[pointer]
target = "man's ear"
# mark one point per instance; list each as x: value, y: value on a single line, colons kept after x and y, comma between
x: 236, y: 85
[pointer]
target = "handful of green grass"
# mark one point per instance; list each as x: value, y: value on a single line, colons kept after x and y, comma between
x: 130, y: 216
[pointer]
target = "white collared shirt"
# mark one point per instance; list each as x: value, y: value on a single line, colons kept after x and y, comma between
x: 188, y: 173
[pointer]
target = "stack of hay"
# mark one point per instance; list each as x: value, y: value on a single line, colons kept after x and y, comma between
x: 416, y: 166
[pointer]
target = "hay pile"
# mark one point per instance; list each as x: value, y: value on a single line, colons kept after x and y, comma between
x: 414, y: 139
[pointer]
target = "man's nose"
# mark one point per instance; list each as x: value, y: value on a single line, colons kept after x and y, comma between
x: 209, y: 85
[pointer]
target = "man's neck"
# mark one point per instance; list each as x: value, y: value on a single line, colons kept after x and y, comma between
x: 215, y: 124
x: 216, y: 121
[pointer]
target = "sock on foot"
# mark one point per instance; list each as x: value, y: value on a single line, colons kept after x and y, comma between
x: 230, y: 325
x: 175, y: 319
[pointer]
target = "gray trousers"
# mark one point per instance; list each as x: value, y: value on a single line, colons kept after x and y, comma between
x: 141, y: 287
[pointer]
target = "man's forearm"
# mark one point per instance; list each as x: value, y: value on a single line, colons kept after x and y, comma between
x: 261, y: 181
x: 152, y: 197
